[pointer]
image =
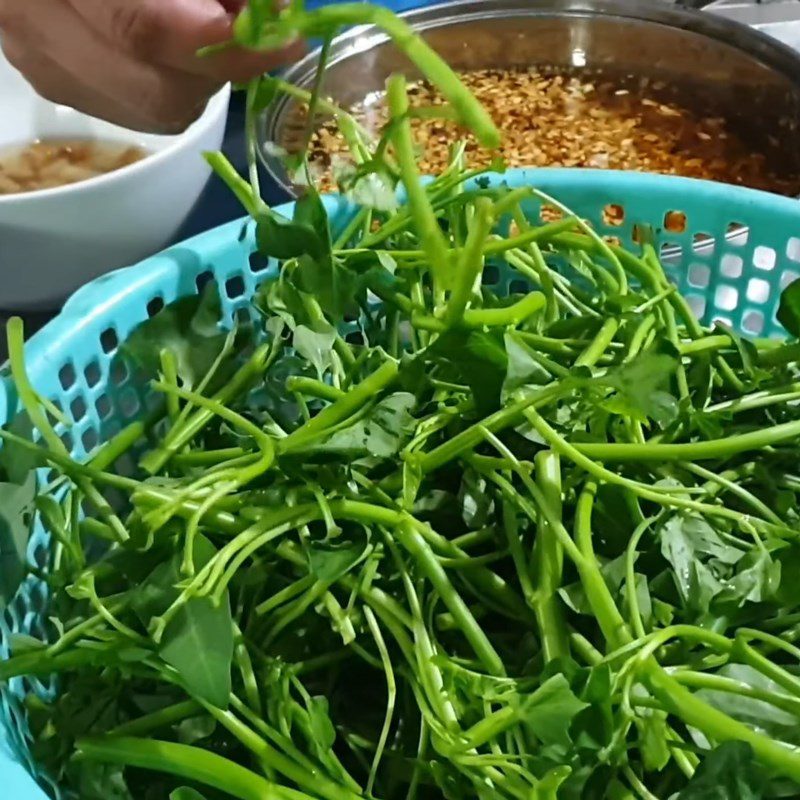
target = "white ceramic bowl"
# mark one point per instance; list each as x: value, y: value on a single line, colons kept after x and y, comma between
x: 54, y: 240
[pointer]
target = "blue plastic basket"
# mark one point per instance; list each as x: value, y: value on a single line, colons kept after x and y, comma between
x: 735, y: 277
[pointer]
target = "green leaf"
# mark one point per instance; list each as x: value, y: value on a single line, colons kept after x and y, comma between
x: 16, y: 461
x: 189, y: 329
x: 693, y: 547
x: 523, y: 369
x: 315, y: 346
x: 333, y: 286
x: 475, y: 358
x: 198, y: 641
x: 307, y: 233
x: 23, y: 643
x: 574, y: 595
x: 653, y: 738
x: 640, y: 389
x: 550, y: 710
x: 310, y: 212
x: 381, y: 433
x: 328, y: 562
x: 195, y: 729
x: 728, y: 773
x: 16, y: 515
x: 101, y: 781
x: 321, y: 726
x: 279, y: 237
x: 185, y: 793
x: 266, y: 92
x: 777, y: 722
x: 757, y: 579
x: 789, y: 308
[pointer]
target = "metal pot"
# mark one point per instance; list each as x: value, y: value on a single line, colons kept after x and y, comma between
x: 710, y: 63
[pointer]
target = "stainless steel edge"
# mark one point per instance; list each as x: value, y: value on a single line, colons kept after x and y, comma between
x: 760, y: 47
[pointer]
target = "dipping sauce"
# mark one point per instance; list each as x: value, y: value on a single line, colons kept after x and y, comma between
x: 574, y: 118
x: 51, y: 163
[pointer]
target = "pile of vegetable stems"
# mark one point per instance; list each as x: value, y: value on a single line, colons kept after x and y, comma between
x: 384, y: 566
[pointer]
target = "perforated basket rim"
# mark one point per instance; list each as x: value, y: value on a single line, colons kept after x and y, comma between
x: 93, y: 300
x: 88, y: 312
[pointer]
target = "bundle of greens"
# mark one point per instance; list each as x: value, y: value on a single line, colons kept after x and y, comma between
x: 416, y: 533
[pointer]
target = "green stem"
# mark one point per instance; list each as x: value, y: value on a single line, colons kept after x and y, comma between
x: 408, y: 536
x: 179, y: 437
x: 158, y: 719
x: 693, y: 451
x: 470, y: 262
x: 429, y: 63
x: 342, y: 409
x: 717, y: 726
x: 311, y: 781
x: 428, y: 231
x: 548, y: 560
x: 187, y: 762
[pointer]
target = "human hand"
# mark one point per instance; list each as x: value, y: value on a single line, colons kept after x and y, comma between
x: 132, y: 62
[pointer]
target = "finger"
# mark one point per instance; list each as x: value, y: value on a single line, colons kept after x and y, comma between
x: 52, y: 83
x: 171, y: 32
x: 163, y: 99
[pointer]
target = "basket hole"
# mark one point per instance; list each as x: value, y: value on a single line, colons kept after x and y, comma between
x: 698, y: 305
x: 614, y: 241
x: 155, y: 305
x: 109, y: 340
x: 66, y: 376
x: 41, y: 555
x: 92, y: 374
x: 78, y: 409
x: 125, y: 465
x: 242, y: 316
x: 731, y: 266
x: 699, y: 276
x: 764, y: 258
x: 116, y: 499
x: 355, y: 337
x: 258, y: 262
x: 90, y: 439
x: 119, y: 373
x: 793, y: 249
x: 234, y: 287
x: 704, y: 244
x: 737, y: 234
x: 66, y: 440
x: 726, y: 298
x: 128, y: 403
x: 202, y: 280
x: 519, y: 286
x: 788, y: 276
x: 613, y: 215
x: 550, y: 213
x: 152, y: 400
x: 491, y: 275
x: 757, y: 290
x: 103, y: 406
x: 111, y: 428
x: 675, y: 222
x: 753, y: 323
x: 670, y: 251
x: 161, y: 428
